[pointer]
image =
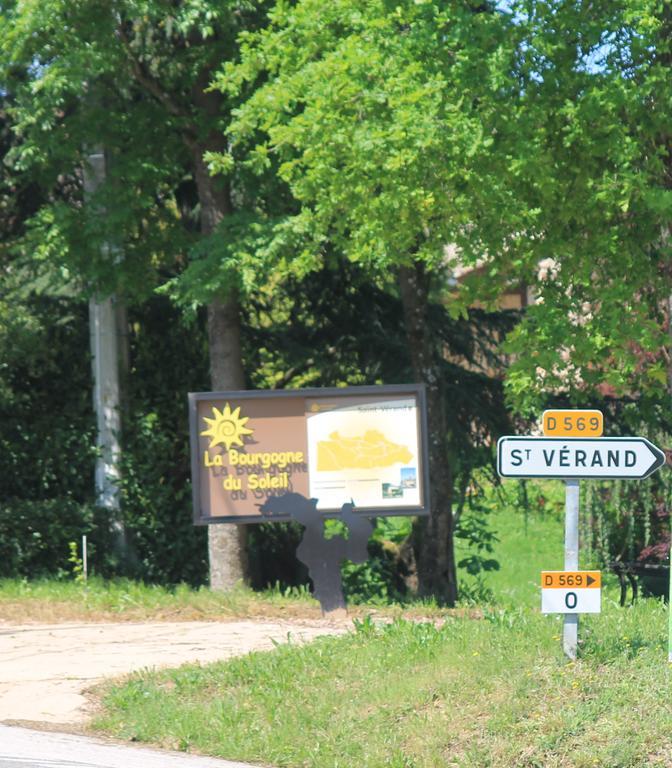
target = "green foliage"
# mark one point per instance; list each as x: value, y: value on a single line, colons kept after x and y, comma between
x: 330, y: 328
x: 169, y: 360
x: 535, y: 141
x: 272, y: 556
x: 36, y: 537
x: 473, y: 527
x: 594, y: 119
x: 47, y: 419
x: 47, y: 442
x: 628, y: 520
x: 382, y: 121
x: 383, y: 578
x: 129, y: 78
x: 238, y: 254
x: 370, y: 583
x: 76, y: 562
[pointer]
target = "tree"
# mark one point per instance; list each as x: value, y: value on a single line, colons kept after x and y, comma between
x: 132, y: 76
x: 598, y: 174
x: 388, y: 124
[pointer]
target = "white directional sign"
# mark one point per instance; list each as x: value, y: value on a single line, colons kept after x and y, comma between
x: 604, y: 457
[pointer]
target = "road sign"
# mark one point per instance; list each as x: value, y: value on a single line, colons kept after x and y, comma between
x: 571, y: 592
x: 565, y: 579
x: 605, y: 457
x: 572, y: 423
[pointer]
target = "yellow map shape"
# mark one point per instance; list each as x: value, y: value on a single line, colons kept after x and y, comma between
x: 371, y: 450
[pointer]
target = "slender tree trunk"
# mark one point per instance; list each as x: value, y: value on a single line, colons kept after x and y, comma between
x: 226, y: 543
x: 124, y: 357
x: 107, y: 395
x: 227, y: 552
x: 436, y: 556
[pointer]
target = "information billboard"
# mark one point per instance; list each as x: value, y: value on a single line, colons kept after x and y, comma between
x: 367, y: 445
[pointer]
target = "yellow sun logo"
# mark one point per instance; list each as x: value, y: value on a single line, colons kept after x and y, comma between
x: 227, y: 428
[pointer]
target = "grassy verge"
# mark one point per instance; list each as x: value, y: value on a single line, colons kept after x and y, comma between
x: 122, y: 600
x: 51, y: 601
x: 490, y: 692
x: 487, y: 688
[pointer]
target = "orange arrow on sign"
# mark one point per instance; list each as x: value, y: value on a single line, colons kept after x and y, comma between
x: 571, y: 579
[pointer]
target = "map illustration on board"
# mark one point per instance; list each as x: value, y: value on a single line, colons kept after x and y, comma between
x: 364, y: 450
x: 371, y: 450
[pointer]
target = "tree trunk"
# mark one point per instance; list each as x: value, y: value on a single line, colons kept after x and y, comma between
x: 437, y: 575
x: 227, y: 552
x: 105, y: 367
x: 226, y: 543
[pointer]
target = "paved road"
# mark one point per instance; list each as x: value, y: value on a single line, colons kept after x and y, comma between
x: 23, y: 748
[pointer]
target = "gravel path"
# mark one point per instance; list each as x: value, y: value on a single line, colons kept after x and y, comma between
x: 45, y: 670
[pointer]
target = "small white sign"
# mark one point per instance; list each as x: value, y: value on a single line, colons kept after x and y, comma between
x: 571, y: 600
x: 604, y: 457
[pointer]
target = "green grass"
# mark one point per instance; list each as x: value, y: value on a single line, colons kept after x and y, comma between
x: 125, y: 600
x: 489, y: 692
x: 526, y: 545
x: 47, y: 601
x: 480, y: 688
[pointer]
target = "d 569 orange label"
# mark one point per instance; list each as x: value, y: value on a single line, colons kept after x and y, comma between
x: 571, y: 579
x: 570, y: 423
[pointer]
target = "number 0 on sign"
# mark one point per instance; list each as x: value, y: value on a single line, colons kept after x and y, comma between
x: 571, y: 591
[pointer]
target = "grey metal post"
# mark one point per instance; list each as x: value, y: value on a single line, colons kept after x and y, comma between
x: 570, y: 631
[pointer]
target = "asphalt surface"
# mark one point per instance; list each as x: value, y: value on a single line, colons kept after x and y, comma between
x: 24, y: 748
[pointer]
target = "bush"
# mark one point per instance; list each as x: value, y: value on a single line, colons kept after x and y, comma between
x: 35, y: 537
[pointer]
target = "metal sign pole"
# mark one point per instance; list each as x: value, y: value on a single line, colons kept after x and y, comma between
x: 570, y: 630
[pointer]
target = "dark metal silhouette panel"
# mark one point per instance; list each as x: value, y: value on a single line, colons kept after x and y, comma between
x: 323, y: 557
